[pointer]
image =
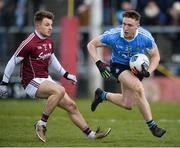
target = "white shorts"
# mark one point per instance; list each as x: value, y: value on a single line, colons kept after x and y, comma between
x: 33, y: 86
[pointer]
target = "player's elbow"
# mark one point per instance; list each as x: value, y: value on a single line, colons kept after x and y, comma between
x: 90, y: 46
x: 155, y: 58
x: 93, y: 44
x: 158, y: 59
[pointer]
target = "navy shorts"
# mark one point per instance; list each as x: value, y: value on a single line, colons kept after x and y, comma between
x: 117, y: 69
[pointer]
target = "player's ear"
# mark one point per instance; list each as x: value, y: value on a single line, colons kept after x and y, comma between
x: 138, y: 25
x: 37, y: 24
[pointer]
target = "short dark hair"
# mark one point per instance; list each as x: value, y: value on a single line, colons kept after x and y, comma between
x: 132, y: 14
x: 41, y: 14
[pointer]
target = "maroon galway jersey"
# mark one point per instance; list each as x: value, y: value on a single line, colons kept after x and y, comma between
x: 36, y: 53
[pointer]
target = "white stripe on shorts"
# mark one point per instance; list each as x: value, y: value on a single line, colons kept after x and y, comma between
x: 34, y: 83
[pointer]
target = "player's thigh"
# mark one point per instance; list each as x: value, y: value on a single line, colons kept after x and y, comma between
x: 48, y: 88
x: 130, y: 81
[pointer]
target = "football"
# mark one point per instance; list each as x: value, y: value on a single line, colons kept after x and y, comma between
x: 137, y: 60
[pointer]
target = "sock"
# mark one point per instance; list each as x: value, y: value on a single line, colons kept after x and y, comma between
x: 44, y: 118
x: 103, y: 95
x: 89, y: 133
x: 92, y: 135
x: 40, y: 122
x: 150, y: 123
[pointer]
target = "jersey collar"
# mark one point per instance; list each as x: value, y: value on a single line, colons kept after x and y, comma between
x: 39, y: 35
x: 122, y: 35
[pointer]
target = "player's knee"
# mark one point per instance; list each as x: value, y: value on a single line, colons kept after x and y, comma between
x: 60, y: 92
x: 127, y: 106
x: 72, y: 107
x: 139, y: 90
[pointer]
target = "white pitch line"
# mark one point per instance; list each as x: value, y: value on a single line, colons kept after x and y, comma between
x: 95, y: 119
x: 132, y: 121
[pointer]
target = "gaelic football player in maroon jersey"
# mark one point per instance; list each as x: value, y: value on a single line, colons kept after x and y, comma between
x: 35, y: 54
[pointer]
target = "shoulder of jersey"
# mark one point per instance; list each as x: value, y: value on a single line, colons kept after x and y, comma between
x: 116, y: 30
x: 145, y: 33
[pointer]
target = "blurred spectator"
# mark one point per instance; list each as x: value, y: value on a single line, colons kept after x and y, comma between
x: 124, y: 5
x: 107, y: 13
x: 2, y: 43
x: 82, y: 11
x: 1, y: 7
x: 20, y: 13
x: 153, y: 15
x: 164, y: 5
x: 37, y: 4
x: 33, y: 6
x: 140, y: 5
x: 20, y: 22
x: 9, y: 13
x: 13, y: 15
x: 174, y: 13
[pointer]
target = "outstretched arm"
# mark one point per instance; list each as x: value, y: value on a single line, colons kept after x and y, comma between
x: 54, y: 63
x: 57, y: 66
x: 7, y: 74
x: 92, y: 49
x: 10, y: 68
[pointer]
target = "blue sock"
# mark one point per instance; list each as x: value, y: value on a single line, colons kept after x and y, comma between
x: 150, y: 123
x: 103, y: 95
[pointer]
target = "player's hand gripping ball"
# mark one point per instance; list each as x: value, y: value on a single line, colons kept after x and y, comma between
x: 138, y: 63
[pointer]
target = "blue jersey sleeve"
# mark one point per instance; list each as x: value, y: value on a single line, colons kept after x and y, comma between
x: 109, y: 36
x: 149, y: 40
x: 105, y: 38
x: 150, y: 44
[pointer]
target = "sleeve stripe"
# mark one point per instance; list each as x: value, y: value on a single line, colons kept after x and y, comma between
x: 24, y: 43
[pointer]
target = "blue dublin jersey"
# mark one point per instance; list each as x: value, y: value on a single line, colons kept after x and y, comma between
x: 123, y: 49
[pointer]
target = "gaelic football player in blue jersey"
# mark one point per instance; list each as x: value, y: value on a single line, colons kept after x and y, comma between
x: 125, y: 41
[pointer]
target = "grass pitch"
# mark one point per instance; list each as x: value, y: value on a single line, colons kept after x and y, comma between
x: 128, y: 127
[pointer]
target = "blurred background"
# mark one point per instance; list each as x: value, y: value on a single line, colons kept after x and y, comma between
x: 76, y: 22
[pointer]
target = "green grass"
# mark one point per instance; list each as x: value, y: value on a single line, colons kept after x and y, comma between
x: 128, y: 127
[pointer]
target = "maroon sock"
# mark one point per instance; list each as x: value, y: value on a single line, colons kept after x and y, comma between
x: 44, y: 117
x: 87, y: 131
